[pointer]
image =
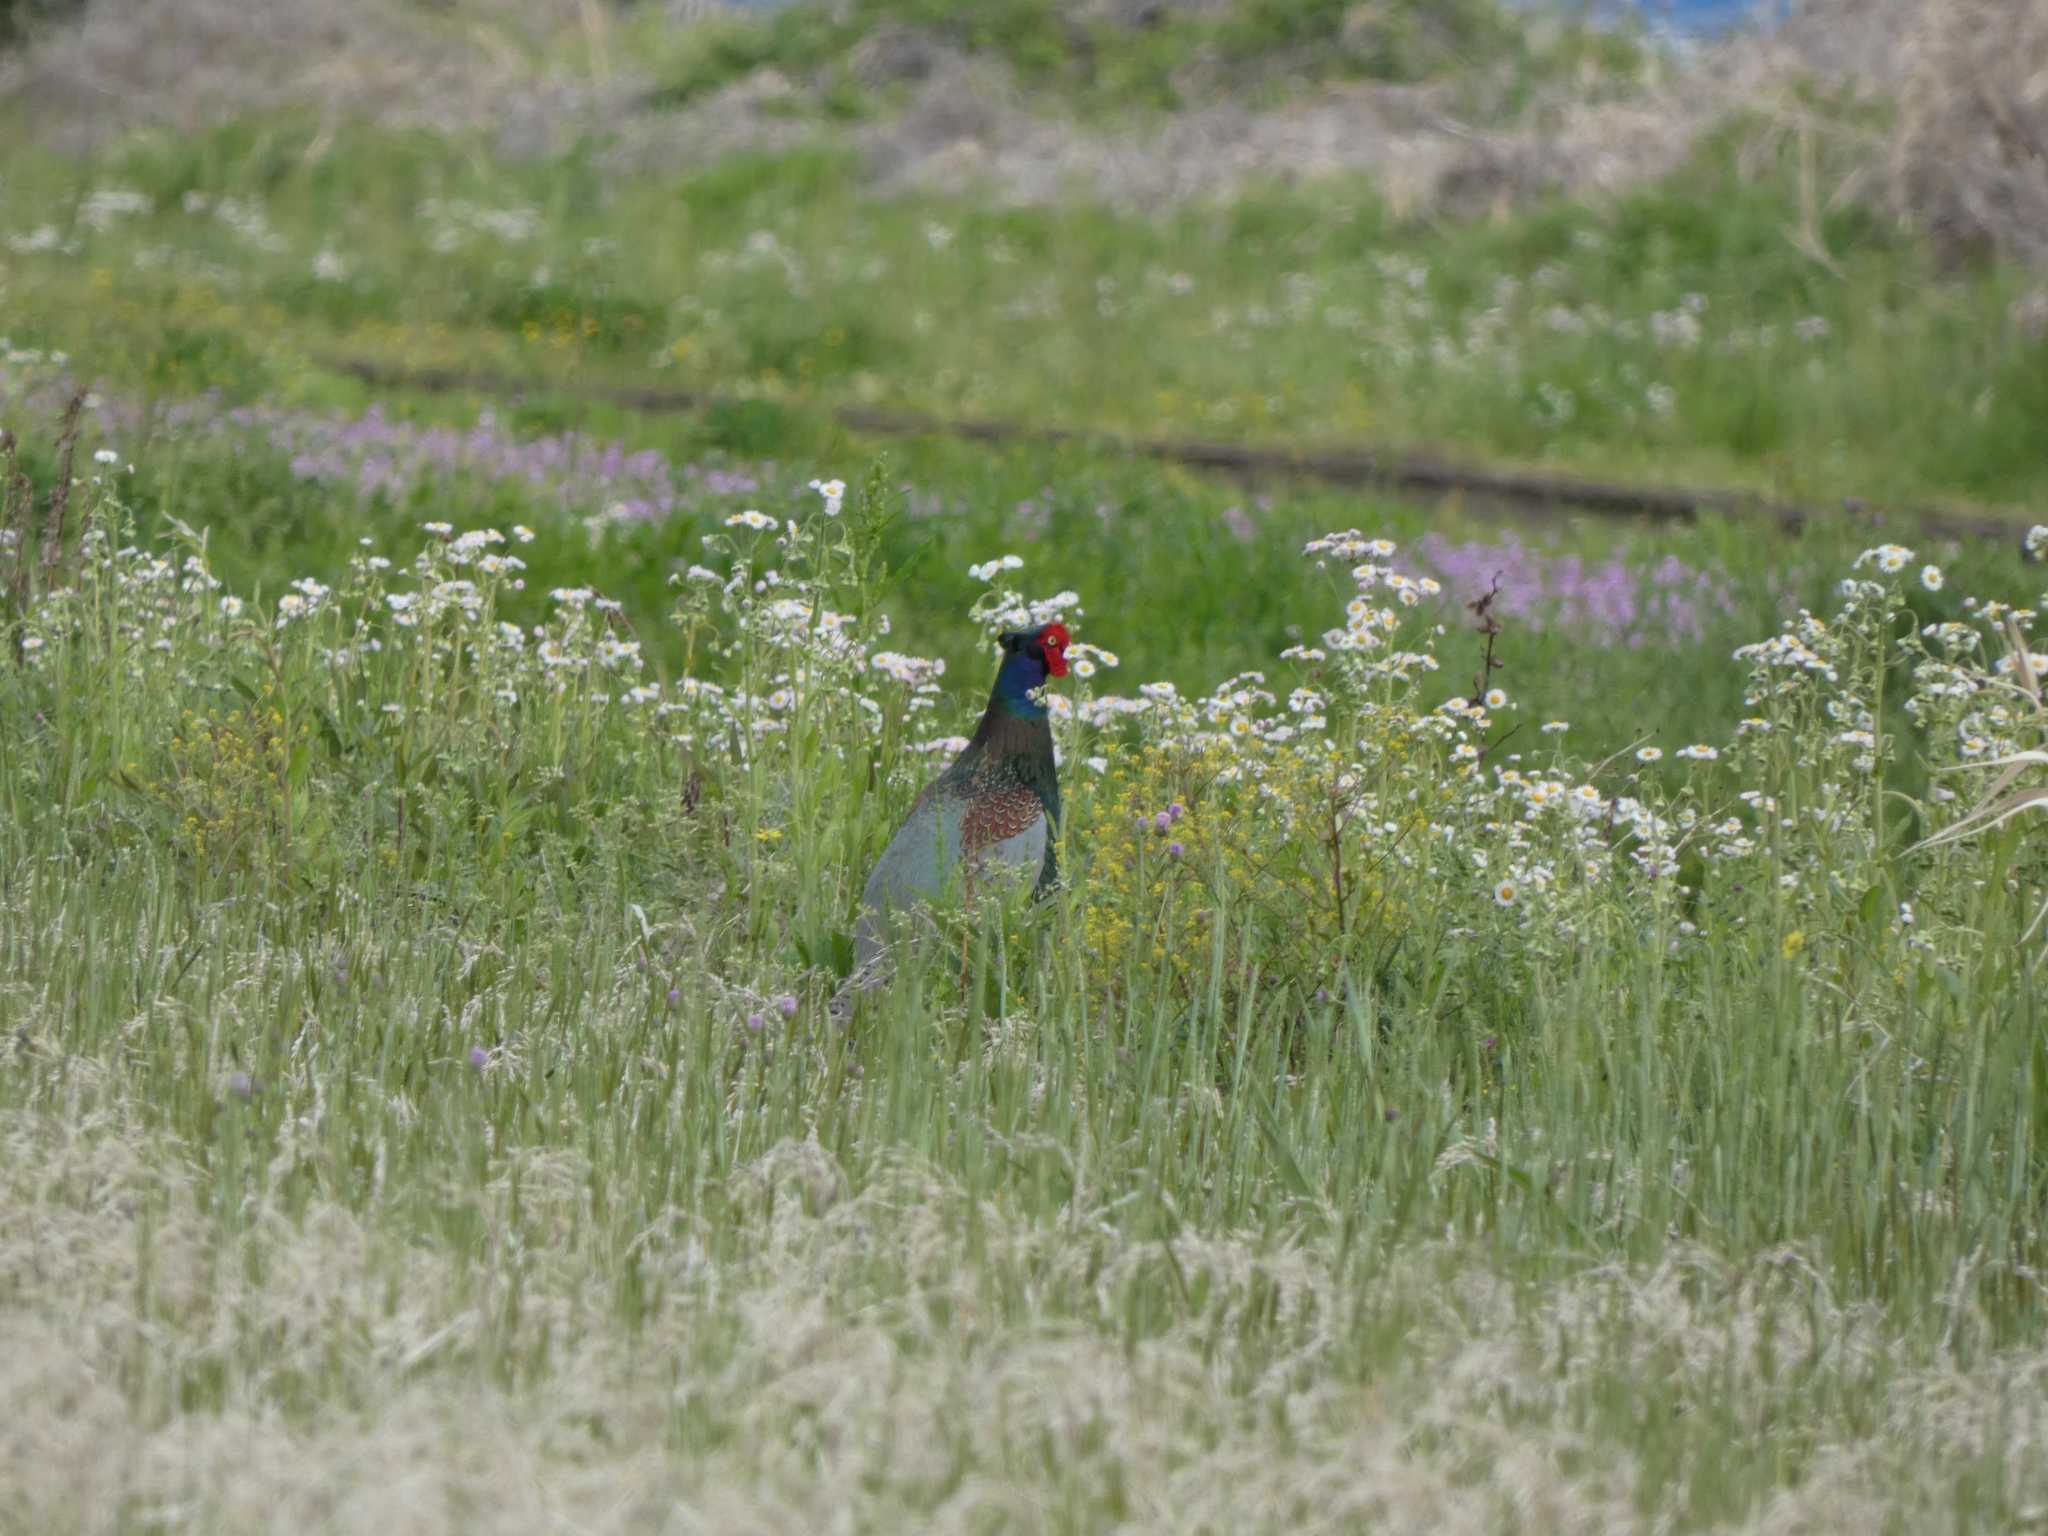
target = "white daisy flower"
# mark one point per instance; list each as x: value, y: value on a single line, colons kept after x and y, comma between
x: 833, y: 492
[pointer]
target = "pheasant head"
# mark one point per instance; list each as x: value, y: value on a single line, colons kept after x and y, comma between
x: 1029, y: 658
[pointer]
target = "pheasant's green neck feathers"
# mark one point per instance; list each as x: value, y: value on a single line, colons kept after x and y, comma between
x: 1017, y: 678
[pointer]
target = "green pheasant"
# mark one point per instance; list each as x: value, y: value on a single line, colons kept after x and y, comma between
x: 997, y: 804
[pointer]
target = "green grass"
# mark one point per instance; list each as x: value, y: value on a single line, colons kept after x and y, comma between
x: 389, y: 1059
x: 1674, y: 334
x: 400, y: 1121
x: 1171, y: 554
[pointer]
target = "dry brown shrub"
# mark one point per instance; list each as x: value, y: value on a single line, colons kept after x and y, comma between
x: 1961, y: 88
x: 1969, y: 157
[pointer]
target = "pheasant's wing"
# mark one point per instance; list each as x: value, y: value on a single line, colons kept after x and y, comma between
x: 913, y: 867
x: 982, y: 826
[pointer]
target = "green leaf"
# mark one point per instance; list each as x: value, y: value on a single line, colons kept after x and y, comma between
x: 329, y: 732
x: 1283, y: 1158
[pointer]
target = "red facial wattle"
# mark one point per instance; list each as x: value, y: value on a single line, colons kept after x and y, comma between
x: 1054, y: 640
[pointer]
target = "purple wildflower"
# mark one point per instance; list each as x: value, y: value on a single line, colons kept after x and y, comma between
x: 1668, y: 603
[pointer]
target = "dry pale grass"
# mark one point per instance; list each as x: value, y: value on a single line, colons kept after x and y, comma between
x: 960, y: 133
x: 967, y: 126
x: 845, y: 1369
x: 1967, y: 158
x: 1962, y: 90
x: 184, y: 65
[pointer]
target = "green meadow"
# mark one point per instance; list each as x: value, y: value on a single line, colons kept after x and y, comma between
x: 1541, y: 1026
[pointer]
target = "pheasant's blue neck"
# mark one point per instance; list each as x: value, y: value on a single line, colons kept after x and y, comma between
x: 1015, y: 679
